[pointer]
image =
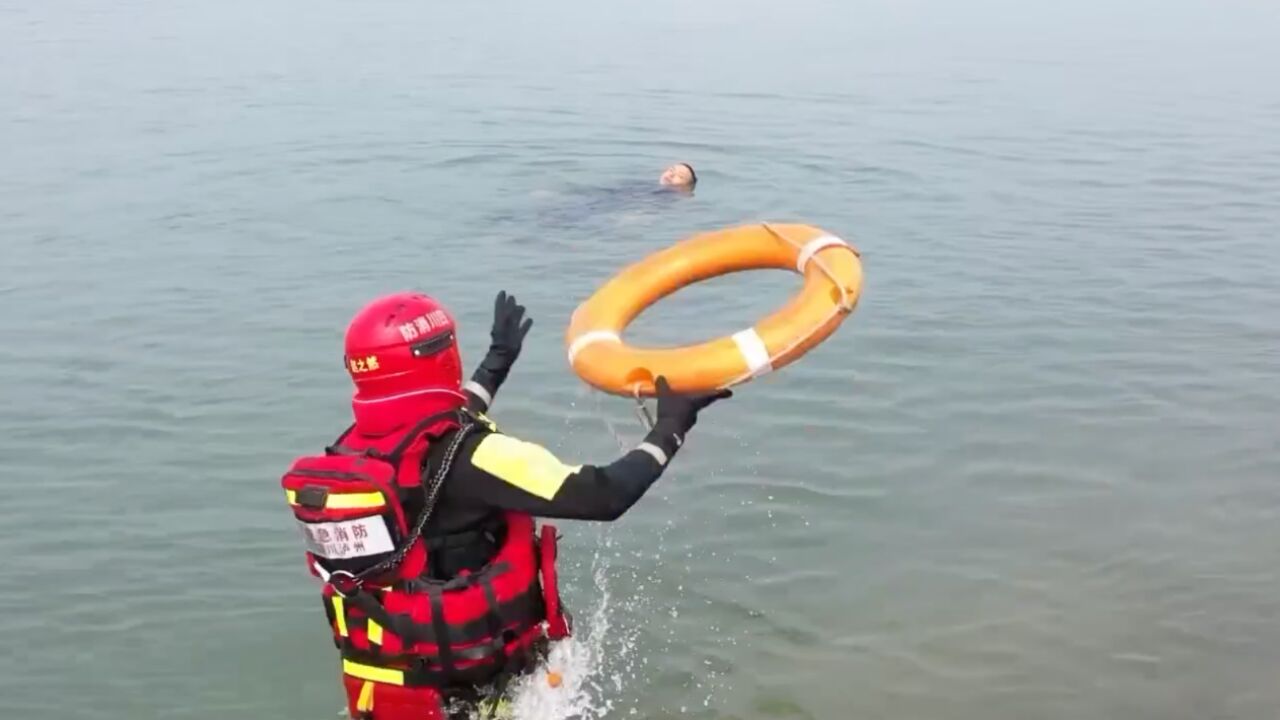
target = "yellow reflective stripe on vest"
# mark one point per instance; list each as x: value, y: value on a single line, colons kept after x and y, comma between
x: 348, y: 501
x: 375, y: 633
x: 365, y: 702
x: 375, y: 674
x: 530, y: 467
x: 338, y: 612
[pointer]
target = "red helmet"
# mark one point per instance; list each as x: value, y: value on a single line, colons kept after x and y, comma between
x: 401, y: 351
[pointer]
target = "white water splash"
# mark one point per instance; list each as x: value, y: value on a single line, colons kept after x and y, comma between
x: 580, y: 661
x: 594, y: 664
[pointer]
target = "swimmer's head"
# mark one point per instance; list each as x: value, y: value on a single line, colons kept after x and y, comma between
x: 680, y: 175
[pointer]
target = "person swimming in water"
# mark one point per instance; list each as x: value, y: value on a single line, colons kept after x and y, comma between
x: 679, y: 176
x: 601, y: 207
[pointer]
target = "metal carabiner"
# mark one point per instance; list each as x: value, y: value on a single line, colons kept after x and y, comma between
x: 642, y: 411
x: 352, y: 584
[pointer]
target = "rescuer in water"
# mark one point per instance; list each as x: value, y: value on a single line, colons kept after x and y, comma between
x: 419, y: 518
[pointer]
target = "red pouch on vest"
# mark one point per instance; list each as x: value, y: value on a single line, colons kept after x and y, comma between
x: 348, y: 510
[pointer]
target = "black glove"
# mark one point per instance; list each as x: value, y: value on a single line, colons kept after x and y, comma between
x: 509, y: 329
x: 678, y: 413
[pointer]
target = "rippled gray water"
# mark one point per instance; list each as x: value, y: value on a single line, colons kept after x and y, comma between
x: 1034, y: 476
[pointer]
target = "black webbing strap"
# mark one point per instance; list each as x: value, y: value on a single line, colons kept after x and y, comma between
x: 441, y: 628
x: 494, y: 615
x: 337, y: 448
x: 523, y: 610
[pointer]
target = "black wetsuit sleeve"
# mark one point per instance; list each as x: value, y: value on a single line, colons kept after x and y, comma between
x: 481, y: 389
x: 505, y: 473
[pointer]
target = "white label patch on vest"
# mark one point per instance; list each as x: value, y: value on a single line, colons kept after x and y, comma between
x: 347, y: 539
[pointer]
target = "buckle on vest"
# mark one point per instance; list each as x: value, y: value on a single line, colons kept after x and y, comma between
x: 344, y: 583
x: 313, y: 497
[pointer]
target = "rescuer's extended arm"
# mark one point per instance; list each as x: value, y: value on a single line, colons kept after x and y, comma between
x: 497, y: 470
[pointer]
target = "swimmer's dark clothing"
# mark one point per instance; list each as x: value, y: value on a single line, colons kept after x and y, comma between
x: 590, y: 206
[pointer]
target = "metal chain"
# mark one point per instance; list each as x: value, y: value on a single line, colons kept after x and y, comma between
x: 430, y: 491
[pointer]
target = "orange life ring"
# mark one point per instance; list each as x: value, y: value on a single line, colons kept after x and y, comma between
x: 832, y: 271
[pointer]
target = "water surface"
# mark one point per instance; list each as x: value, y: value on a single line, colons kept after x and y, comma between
x: 1034, y: 476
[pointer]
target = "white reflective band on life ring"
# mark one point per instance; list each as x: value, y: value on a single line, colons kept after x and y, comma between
x: 591, y: 337
x: 753, y: 352
x: 814, y: 246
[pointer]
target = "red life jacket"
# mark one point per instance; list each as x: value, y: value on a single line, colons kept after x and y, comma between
x: 406, y: 637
